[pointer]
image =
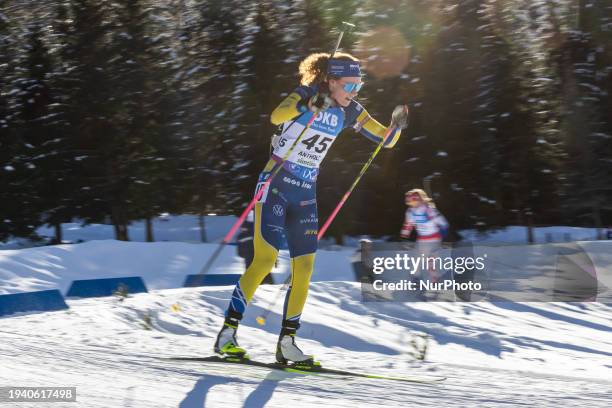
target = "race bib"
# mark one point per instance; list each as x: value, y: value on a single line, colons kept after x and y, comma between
x: 312, y: 147
x: 263, y: 185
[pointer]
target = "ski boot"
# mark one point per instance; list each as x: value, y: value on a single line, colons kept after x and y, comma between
x: 226, y: 344
x: 289, y: 354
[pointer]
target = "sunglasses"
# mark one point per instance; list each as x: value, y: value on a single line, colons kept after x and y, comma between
x: 352, y: 87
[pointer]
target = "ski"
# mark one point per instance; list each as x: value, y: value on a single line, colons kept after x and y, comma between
x: 314, y: 370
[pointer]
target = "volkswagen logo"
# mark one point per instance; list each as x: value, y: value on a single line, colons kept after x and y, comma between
x: 278, y: 210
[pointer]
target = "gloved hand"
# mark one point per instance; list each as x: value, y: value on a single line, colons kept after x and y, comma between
x: 320, y: 102
x: 399, y: 117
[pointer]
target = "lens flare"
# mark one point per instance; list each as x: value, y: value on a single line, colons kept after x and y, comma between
x: 384, y: 52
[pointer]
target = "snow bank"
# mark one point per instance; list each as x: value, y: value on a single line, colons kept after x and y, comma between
x: 163, y: 265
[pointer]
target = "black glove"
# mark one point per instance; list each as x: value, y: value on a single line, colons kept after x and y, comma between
x: 399, y: 117
x: 320, y: 102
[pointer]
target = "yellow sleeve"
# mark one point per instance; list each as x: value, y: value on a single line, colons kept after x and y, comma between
x: 287, y: 109
x: 375, y: 131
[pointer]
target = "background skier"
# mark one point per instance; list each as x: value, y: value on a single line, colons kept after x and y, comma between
x: 430, y: 226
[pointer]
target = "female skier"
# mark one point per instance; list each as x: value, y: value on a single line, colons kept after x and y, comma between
x: 328, y: 88
x: 430, y: 225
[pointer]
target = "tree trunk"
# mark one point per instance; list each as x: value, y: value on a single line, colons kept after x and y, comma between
x: 530, y: 238
x: 122, y: 232
x: 597, y: 219
x: 58, y: 233
x: 201, y: 221
x: 120, y: 223
x: 149, y: 224
x: 339, y: 237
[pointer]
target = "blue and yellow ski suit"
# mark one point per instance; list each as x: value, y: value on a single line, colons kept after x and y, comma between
x: 289, y: 205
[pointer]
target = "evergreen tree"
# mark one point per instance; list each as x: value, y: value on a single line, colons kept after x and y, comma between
x: 39, y: 128
x: 267, y: 75
x: 18, y: 217
x: 90, y: 108
x: 585, y: 65
x: 142, y: 111
x: 532, y: 151
x: 211, y: 106
x: 452, y: 70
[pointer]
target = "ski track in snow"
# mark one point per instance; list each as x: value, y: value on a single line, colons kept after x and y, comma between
x: 541, y: 355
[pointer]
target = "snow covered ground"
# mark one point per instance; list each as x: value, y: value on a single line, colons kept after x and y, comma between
x: 166, y: 227
x: 518, y: 235
x: 542, y: 355
x: 493, y: 355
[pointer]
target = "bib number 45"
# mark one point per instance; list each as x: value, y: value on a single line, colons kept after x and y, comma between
x: 312, y: 142
x: 319, y: 146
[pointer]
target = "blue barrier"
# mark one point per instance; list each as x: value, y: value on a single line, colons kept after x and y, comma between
x: 106, y: 287
x: 221, y: 280
x: 41, y: 301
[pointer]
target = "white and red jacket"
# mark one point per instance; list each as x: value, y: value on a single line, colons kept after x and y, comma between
x: 429, y: 223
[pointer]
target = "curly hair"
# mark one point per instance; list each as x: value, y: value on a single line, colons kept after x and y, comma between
x: 313, y: 69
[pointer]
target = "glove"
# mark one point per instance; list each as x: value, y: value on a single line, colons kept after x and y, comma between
x: 399, y: 117
x: 406, y: 231
x: 320, y: 102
